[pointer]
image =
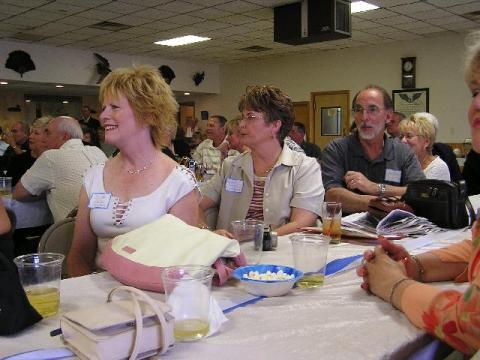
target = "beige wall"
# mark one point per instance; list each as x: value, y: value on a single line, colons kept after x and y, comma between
x: 439, y: 67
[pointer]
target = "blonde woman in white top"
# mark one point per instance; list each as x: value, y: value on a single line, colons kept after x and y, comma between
x: 419, y: 133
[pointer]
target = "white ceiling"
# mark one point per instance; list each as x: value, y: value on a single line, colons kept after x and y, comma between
x: 232, y: 25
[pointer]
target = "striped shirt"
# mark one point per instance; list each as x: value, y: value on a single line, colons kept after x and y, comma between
x: 255, y: 211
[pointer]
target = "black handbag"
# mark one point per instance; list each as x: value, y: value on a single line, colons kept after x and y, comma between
x: 442, y: 202
x: 16, y: 313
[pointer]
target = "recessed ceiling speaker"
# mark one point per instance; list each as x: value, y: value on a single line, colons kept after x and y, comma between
x: 311, y: 21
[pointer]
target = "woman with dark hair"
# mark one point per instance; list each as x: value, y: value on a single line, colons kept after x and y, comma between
x: 269, y: 182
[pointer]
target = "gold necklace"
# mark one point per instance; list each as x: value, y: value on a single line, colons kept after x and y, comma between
x: 138, y: 171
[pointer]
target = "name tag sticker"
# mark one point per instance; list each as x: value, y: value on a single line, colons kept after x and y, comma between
x: 234, y: 185
x: 100, y: 200
x: 393, y: 175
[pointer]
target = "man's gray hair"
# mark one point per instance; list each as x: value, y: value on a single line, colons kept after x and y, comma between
x: 70, y: 126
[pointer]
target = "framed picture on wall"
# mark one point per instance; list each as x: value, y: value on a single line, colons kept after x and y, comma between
x: 410, y: 101
x: 331, y: 121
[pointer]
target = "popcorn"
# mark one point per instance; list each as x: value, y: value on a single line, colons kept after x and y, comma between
x: 272, y: 276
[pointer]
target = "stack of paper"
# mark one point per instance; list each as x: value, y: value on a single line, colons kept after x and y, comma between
x: 397, y: 224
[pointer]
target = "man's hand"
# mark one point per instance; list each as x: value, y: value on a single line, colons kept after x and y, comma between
x: 357, y: 181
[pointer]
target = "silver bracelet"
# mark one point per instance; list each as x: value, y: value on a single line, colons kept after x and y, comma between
x: 420, y: 268
x: 394, y: 287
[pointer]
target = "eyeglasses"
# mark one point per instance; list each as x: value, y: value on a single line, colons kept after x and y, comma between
x: 407, y: 136
x: 371, y: 110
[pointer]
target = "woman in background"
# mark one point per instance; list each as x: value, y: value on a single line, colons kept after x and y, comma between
x: 394, y: 275
x: 140, y: 184
x: 419, y: 133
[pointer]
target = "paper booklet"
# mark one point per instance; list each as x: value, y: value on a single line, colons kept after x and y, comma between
x: 397, y: 224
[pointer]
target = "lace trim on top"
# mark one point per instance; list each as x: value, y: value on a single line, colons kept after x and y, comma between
x: 120, y: 211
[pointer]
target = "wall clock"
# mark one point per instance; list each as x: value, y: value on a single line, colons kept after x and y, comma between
x: 408, y: 72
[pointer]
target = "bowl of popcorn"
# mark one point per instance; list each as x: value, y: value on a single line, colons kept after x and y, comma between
x: 267, y: 280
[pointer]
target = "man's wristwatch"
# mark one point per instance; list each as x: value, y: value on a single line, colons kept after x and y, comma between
x: 382, y: 188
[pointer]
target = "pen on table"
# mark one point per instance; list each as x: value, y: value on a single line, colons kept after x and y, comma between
x: 56, y: 332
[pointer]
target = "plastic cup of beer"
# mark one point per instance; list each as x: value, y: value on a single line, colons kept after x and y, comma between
x: 332, y: 221
x: 310, y: 257
x: 249, y: 233
x: 187, y: 288
x: 6, y: 187
x: 40, y: 275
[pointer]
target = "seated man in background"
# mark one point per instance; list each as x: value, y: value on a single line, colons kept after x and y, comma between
x: 367, y: 164
x: 212, y: 151
x: 58, y: 172
x: 297, y: 134
x: 393, y: 128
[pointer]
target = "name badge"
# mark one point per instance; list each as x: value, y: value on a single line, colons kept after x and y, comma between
x: 99, y: 200
x: 394, y: 176
x: 234, y: 185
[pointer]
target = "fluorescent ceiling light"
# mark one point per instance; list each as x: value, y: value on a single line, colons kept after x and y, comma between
x: 187, y: 93
x: 64, y: 102
x: 59, y: 86
x: 183, y: 40
x: 28, y: 100
x: 3, y: 83
x: 361, y: 6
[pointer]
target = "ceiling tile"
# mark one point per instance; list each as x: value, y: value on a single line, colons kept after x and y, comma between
x: 375, y: 14
x: 265, y: 13
x: 62, y: 8
x: 43, y: 15
x: 78, y: 20
x: 99, y: 15
x: 466, y: 8
x: 446, y: 20
x: 25, y: 3
x: 412, y: 8
x: 388, y: 3
x: 447, y: 3
x: 426, y: 30
x: 29, y: 23
x: 430, y: 14
x: 184, y: 20
x: 212, y: 13
x: 394, y: 20
x: 238, y: 6
x: 87, y: 4
x: 131, y: 20
x: 11, y: 9
x: 179, y: 7
x: 154, y: 14
x: 206, y: 2
x: 120, y: 7
x: 237, y: 19
x: 211, y: 25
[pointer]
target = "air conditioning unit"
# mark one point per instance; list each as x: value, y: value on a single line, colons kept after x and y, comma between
x: 311, y: 21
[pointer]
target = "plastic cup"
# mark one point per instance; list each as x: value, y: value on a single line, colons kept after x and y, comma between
x: 250, y: 233
x: 40, y: 276
x: 6, y: 187
x: 188, y: 293
x: 310, y: 257
x: 332, y: 221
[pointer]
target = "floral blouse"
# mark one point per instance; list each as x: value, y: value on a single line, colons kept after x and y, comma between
x: 450, y: 315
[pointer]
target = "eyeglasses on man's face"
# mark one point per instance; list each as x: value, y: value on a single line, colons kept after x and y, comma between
x: 370, y: 110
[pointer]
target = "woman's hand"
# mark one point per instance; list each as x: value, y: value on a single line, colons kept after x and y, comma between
x: 356, y: 180
x: 381, y: 273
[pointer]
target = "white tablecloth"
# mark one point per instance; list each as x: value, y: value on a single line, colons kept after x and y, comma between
x: 336, y: 321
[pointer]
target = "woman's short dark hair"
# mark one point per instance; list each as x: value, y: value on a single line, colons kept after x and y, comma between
x: 273, y: 102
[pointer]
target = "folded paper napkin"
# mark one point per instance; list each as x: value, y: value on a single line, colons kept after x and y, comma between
x: 137, y: 257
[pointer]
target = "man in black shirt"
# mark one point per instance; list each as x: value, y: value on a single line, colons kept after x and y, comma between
x: 298, y: 135
x: 87, y: 120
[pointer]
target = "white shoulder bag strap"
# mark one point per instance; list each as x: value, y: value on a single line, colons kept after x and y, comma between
x: 134, y: 293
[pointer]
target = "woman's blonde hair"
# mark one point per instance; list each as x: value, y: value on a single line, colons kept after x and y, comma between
x: 41, y: 122
x: 422, y: 126
x: 149, y: 96
x: 472, y: 58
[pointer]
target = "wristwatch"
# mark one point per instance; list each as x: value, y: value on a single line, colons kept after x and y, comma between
x: 382, y: 188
